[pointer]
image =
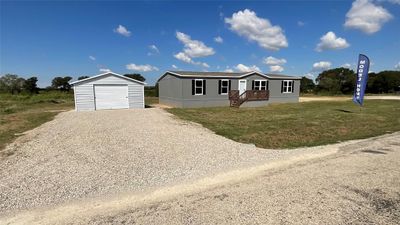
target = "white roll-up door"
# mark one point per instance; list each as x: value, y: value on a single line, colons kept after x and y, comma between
x: 111, y: 96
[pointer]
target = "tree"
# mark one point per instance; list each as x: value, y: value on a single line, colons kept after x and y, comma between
x: 82, y: 77
x: 306, y: 85
x: 11, y: 83
x: 384, y: 82
x: 30, y: 85
x: 136, y: 76
x: 61, y: 83
x: 336, y: 81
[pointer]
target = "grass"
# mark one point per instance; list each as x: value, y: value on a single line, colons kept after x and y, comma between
x: 150, y: 100
x: 19, y: 113
x: 343, y: 95
x: 299, y: 124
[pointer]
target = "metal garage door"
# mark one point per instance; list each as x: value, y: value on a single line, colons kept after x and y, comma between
x: 111, y: 96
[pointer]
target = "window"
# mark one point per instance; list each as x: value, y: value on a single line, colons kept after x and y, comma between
x: 223, y: 87
x: 287, y: 86
x: 198, y: 87
x: 260, y: 85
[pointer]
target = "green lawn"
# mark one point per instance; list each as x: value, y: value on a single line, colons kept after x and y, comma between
x: 299, y: 124
x: 19, y: 113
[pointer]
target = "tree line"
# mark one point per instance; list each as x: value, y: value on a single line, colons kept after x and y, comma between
x: 14, y: 84
x: 342, y: 81
x: 331, y: 82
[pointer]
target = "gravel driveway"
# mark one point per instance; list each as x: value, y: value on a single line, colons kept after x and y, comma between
x: 358, y: 185
x: 90, y: 154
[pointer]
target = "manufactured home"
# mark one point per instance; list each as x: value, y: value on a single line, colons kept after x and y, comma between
x: 188, y: 89
x: 108, y: 91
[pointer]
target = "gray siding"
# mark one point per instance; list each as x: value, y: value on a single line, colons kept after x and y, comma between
x: 170, y: 91
x: 210, y: 99
x: 250, y: 79
x: 275, y: 94
x: 177, y: 92
x: 84, y: 92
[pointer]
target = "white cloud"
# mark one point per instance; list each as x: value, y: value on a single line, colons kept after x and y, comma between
x: 322, y: 65
x: 346, y: 65
x: 141, y: 68
x: 205, y: 65
x: 309, y: 75
x: 122, y: 31
x: 228, y: 70
x: 173, y: 66
x: 364, y: 15
x: 219, y: 39
x: 104, y: 70
x: 153, y: 50
x: 300, y: 23
x: 397, y: 66
x: 275, y: 64
x: 92, y: 58
x: 194, y: 48
x: 247, y: 24
x: 274, y: 61
x: 276, y: 68
x: 329, y: 41
x: 243, y: 68
x: 183, y: 57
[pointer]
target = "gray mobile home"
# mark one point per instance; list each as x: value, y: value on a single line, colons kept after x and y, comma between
x: 188, y: 89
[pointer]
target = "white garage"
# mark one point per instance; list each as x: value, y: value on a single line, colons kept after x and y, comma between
x: 108, y: 91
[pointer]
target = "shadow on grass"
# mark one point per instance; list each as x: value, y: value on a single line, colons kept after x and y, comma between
x: 343, y: 110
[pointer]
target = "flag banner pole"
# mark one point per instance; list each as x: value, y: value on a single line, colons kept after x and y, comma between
x: 362, y: 78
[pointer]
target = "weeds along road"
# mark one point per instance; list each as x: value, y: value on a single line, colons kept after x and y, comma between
x: 359, y: 184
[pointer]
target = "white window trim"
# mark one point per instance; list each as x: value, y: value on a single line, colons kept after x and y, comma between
x: 202, y: 85
x: 227, y: 87
x: 291, y: 82
x: 259, y: 89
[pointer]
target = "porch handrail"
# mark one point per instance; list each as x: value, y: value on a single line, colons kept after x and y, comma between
x: 248, y: 95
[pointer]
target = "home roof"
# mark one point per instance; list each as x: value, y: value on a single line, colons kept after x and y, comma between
x: 196, y: 73
x: 105, y: 74
x: 226, y: 74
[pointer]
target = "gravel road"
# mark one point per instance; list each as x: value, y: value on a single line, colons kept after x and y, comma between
x: 83, y: 155
x: 358, y: 185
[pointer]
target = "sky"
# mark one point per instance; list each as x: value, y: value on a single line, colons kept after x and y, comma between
x: 299, y: 38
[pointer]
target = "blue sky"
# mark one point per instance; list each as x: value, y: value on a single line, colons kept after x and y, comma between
x: 48, y: 39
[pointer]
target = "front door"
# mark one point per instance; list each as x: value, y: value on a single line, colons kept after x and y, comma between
x: 242, y: 86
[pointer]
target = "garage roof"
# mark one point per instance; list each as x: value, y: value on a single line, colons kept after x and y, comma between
x: 106, y: 74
